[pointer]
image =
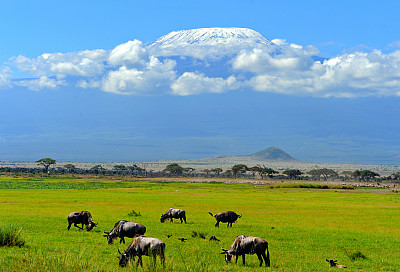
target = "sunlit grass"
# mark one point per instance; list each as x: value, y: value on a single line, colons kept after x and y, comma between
x: 303, y: 226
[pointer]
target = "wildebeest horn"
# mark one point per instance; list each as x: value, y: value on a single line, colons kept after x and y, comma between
x: 240, y: 216
x: 119, y: 251
x: 106, y: 232
x: 224, y: 250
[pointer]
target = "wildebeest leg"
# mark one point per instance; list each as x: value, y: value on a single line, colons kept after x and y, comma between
x: 181, y: 220
x: 266, y: 259
x: 139, y: 261
x: 122, y: 240
x: 75, y: 225
x: 69, y: 225
x: 217, y: 224
x: 243, y: 258
x: 184, y: 219
x: 162, y: 257
x: 259, y: 258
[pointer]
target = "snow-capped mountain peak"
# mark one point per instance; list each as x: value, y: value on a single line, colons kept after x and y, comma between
x: 204, y: 43
x: 211, y: 36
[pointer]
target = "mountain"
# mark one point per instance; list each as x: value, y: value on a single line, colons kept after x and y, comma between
x: 205, y: 42
x: 211, y: 36
x: 273, y: 157
x: 273, y: 154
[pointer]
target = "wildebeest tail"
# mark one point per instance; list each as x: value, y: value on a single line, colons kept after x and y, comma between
x: 211, y: 214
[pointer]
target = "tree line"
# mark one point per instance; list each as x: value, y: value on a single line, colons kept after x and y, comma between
x: 176, y: 170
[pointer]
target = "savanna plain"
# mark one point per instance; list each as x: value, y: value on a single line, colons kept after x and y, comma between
x: 303, y: 226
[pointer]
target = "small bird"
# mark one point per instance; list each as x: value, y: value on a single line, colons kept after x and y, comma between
x: 168, y: 235
x: 213, y: 238
x: 182, y: 239
x: 334, y: 263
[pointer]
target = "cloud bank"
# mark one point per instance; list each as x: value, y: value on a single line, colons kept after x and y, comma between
x: 132, y: 68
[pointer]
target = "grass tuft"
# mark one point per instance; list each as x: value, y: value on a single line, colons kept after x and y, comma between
x: 133, y: 213
x: 356, y: 255
x: 198, y: 234
x: 10, y: 236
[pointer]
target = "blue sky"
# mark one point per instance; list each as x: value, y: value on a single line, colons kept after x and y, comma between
x: 351, y: 117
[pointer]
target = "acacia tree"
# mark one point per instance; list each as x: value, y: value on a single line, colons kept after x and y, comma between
x: 46, y: 162
x: 174, y: 169
x: 207, y: 171
x: 239, y: 169
x: 324, y: 172
x: 356, y: 174
x: 293, y: 173
x: 97, y: 168
x: 256, y: 169
x: 347, y: 174
x: 217, y: 170
x: 269, y: 171
x: 70, y: 167
x: 119, y: 167
x: 366, y: 175
x: 134, y: 168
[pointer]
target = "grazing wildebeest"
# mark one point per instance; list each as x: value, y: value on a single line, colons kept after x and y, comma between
x: 243, y: 245
x: 226, y: 217
x: 142, y: 245
x: 84, y: 218
x: 334, y: 263
x: 174, y: 213
x: 124, y: 229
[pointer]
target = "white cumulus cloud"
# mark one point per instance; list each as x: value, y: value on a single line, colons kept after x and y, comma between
x: 129, y: 54
x: 5, y: 77
x: 85, y: 63
x: 194, y: 83
x: 154, y: 78
x: 132, y: 68
x: 43, y: 82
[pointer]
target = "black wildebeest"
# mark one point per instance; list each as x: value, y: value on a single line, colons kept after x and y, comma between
x: 142, y: 245
x: 124, y: 229
x: 84, y: 218
x: 334, y: 263
x: 174, y: 213
x: 243, y: 245
x: 226, y: 217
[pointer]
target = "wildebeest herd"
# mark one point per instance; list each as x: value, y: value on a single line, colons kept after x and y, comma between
x: 148, y: 246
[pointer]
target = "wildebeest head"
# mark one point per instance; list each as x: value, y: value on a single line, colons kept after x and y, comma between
x: 228, y: 255
x: 123, y: 259
x: 91, y: 225
x: 110, y: 238
x: 163, y: 217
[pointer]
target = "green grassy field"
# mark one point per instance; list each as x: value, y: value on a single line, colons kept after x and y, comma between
x: 359, y: 228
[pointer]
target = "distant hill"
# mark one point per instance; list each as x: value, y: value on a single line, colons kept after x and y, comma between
x: 272, y: 154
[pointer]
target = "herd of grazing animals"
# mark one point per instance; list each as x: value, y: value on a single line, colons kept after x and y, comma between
x: 148, y: 246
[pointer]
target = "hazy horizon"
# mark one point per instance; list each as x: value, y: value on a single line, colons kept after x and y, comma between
x: 77, y: 87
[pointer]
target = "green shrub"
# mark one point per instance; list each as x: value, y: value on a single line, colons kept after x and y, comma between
x: 10, y: 236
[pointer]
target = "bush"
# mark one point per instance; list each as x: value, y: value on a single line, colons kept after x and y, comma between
x: 10, y: 236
